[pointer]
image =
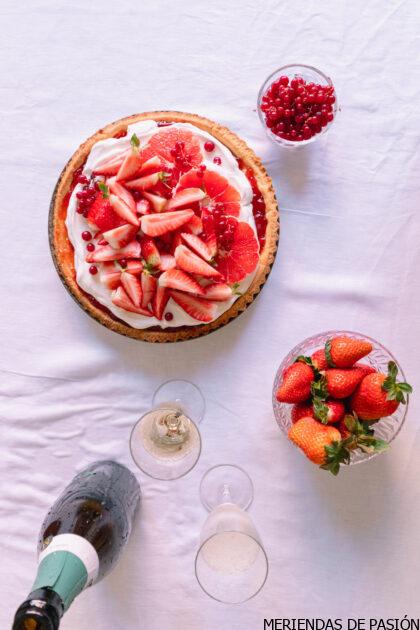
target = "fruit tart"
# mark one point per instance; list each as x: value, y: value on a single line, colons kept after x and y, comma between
x: 164, y: 226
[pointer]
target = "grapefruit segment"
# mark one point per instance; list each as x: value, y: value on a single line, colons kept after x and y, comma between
x: 164, y: 143
x: 217, y: 188
x: 240, y: 258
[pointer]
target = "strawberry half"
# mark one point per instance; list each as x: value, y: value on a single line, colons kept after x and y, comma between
x: 167, y: 261
x: 111, y: 166
x: 144, y: 183
x: 150, y: 252
x: 194, y: 226
x: 198, y: 245
x: 110, y: 275
x: 106, y: 253
x: 219, y: 292
x: 121, y: 299
x: 159, y: 302
x: 158, y: 224
x: 186, y: 197
x: 197, y: 308
x: 143, y: 206
x: 124, y: 211
x: 134, y: 266
x: 132, y: 162
x: 102, y: 215
x: 132, y: 287
x: 158, y: 203
x: 148, y: 286
x: 152, y: 165
x: 122, y: 193
x: 120, y: 236
x: 188, y: 261
x: 177, y: 279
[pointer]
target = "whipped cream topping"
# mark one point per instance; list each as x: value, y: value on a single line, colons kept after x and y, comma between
x: 76, y: 223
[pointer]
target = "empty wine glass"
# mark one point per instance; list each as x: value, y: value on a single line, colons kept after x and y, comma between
x: 231, y: 565
x: 165, y: 443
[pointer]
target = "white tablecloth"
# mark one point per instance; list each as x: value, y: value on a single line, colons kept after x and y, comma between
x: 348, y: 258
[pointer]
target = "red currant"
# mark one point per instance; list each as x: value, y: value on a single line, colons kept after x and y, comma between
x: 217, y: 160
x: 93, y: 270
x: 209, y: 146
x: 86, y: 236
x: 169, y: 317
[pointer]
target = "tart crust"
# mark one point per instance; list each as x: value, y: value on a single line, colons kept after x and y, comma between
x: 63, y: 253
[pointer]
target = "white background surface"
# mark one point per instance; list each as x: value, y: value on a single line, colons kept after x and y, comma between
x: 348, y: 258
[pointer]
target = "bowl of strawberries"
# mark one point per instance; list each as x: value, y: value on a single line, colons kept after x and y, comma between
x: 341, y: 397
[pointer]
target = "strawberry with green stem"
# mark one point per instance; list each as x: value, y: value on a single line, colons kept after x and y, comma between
x: 344, y: 352
x: 132, y: 162
x: 379, y: 395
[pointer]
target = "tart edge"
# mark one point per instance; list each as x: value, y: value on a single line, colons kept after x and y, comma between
x: 63, y: 254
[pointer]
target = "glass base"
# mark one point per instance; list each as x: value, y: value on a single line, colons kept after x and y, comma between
x: 165, y: 444
x: 181, y: 394
x: 226, y: 483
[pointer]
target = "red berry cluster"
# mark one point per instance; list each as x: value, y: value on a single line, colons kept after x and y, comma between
x: 296, y: 110
x: 86, y: 196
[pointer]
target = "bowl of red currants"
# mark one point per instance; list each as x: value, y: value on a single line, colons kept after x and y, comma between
x: 297, y: 104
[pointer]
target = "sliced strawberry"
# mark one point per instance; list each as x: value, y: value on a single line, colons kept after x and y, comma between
x: 194, y: 226
x: 177, y: 279
x: 241, y: 257
x: 157, y: 224
x: 167, y: 261
x: 134, y: 266
x: 159, y: 302
x: 202, y: 310
x: 209, y: 229
x: 111, y: 166
x: 121, y: 192
x: 177, y: 240
x: 143, y: 206
x: 132, y: 162
x: 186, y: 197
x: 110, y: 275
x: 158, y: 203
x: 148, y: 286
x: 102, y: 215
x: 133, y: 287
x: 121, y: 299
x: 150, y: 252
x: 219, y: 292
x: 144, y: 183
x: 105, y: 253
x: 197, y: 244
x: 123, y: 210
x: 120, y: 236
x: 188, y: 261
x: 152, y: 165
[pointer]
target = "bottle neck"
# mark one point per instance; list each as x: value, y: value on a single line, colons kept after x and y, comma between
x: 42, y: 610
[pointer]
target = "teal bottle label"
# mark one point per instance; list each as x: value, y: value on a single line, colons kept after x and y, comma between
x: 67, y: 565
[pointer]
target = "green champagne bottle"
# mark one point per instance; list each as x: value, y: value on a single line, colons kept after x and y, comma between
x: 81, y: 540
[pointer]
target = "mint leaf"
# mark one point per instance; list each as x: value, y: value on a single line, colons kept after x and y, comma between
x: 135, y: 142
x: 104, y: 190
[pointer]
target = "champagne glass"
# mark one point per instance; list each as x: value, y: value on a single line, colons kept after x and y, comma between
x: 165, y: 443
x: 231, y: 565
